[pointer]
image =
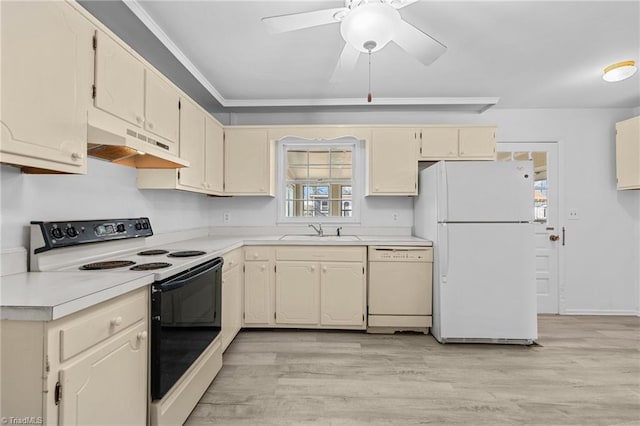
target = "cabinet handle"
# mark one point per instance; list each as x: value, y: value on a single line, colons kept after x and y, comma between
x: 255, y: 255
x: 139, y: 119
x: 324, y: 269
x: 313, y: 268
x: 262, y: 268
x: 116, y: 321
x: 76, y: 156
x: 142, y: 335
x: 150, y: 125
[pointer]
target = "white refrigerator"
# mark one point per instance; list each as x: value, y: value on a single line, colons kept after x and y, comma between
x: 479, y: 215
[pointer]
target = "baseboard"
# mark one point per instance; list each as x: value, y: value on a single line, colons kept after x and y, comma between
x: 611, y: 312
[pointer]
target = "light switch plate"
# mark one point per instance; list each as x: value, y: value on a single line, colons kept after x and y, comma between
x: 573, y: 214
x: 226, y: 217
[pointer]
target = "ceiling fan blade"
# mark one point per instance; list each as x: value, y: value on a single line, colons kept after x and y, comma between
x: 399, y: 4
x: 346, y: 63
x: 425, y: 48
x: 298, y: 21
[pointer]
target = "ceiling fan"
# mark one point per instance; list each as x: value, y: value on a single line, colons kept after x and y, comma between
x: 366, y: 26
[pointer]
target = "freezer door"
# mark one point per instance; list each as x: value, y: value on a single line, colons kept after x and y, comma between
x: 486, y: 281
x: 486, y: 191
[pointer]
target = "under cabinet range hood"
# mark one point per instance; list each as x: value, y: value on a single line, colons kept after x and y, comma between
x: 113, y: 139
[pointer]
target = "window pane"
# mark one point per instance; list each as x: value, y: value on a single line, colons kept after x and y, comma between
x: 540, y: 179
x: 318, y: 181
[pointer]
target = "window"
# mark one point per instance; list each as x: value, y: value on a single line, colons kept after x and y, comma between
x: 317, y: 181
x: 540, y: 193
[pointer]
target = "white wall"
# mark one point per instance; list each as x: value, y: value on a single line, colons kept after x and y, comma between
x: 107, y: 191
x: 601, y: 271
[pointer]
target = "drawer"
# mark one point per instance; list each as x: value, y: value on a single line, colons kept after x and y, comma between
x: 231, y: 259
x: 96, y: 324
x: 258, y: 253
x: 311, y: 253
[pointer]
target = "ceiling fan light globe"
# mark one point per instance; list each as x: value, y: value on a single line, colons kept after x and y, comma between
x: 370, y: 22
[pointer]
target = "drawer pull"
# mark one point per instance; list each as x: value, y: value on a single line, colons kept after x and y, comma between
x: 313, y: 268
x: 255, y: 255
x: 142, y: 335
x: 116, y: 321
x: 324, y: 269
x: 263, y: 267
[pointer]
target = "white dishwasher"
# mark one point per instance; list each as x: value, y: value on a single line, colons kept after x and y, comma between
x: 400, y: 289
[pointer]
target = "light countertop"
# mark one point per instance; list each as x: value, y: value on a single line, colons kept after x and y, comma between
x: 47, y: 296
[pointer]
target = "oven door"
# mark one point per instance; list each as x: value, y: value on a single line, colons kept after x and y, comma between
x: 185, y: 318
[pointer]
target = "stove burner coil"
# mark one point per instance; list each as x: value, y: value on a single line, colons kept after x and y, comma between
x: 150, y: 266
x: 152, y: 252
x: 187, y: 253
x: 110, y: 264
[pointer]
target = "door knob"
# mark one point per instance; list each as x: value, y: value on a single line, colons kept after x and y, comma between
x: 554, y: 237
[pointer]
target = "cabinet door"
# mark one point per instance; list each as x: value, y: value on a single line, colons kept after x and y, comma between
x: 342, y: 293
x: 161, y: 109
x: 628, y: 153
x: 297, y: 288
x: 119, y: 81
x: 214, y: 155
x: 477, y: 142
x: 392, y: 162
x: 231, y: 306
x: 192, y: 144
x: 247, y: 160
x: 47, y: 73
x: 439, y: 142
x: 258, y: 294
x: 108, y: 386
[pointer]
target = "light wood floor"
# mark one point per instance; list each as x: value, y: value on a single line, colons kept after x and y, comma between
x: 586, y: 371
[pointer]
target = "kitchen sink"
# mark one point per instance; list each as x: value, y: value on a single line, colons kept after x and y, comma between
x: 319, y: 238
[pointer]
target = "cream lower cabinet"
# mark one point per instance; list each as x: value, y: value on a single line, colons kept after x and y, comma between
x: 457, y: 143
x: 259, y: 291
x: 628, y: 154
x: 47, y: 73
x: 89, y: 368
x: 320, y: 286
x: 392, y: 162
x: 232, y: 295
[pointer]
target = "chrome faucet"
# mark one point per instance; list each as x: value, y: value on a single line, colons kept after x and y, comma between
x: 319, y: 229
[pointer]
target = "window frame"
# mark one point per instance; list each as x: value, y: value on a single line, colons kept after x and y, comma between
x: 357, y: 176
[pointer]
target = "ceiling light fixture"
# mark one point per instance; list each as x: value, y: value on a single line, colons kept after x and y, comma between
x: 370, y: 22
x: 619, y: 71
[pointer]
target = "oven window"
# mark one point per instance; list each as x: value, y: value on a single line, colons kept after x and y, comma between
x: 189, y: 320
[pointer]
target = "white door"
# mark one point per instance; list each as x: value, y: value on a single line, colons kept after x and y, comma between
x: 548, y: 234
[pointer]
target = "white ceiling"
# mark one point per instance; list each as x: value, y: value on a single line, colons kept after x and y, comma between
x: 527, y: 54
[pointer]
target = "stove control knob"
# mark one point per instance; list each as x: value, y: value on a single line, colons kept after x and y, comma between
x: 120, y: 227
x: 57, y: 233
x: 71, y: 232
x: 145, y: 225
x: 138, y: 226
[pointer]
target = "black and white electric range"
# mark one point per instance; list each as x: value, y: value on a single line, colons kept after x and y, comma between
x: 186, y: 306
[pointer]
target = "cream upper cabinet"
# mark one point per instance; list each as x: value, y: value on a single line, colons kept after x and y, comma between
x: 342, y: 293
x: 192, y: 137
x: 161, y: 107
x: 628, y: 153
x: 46, y: 78
x: 457, y: 143
x: 249, y: 162
x: 297, y: 291
x: 258, y: 286
x: 392, y: 162
x: 119, y: 82
x: 214, y: 156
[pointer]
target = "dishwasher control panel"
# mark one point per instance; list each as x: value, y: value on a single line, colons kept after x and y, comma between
x: 400, y: 254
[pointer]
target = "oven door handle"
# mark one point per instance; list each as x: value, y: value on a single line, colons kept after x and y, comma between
x: 184, y: 279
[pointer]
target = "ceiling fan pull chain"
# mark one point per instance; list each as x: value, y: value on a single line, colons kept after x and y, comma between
x: 369, y: 95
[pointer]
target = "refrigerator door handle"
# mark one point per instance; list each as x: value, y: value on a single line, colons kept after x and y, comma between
x: 444, y: 253
x: 443, y: 205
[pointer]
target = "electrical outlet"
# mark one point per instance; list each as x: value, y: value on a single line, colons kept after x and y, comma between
x: 573, y: 214
x: 226, y: 217
x: 395, y: 216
